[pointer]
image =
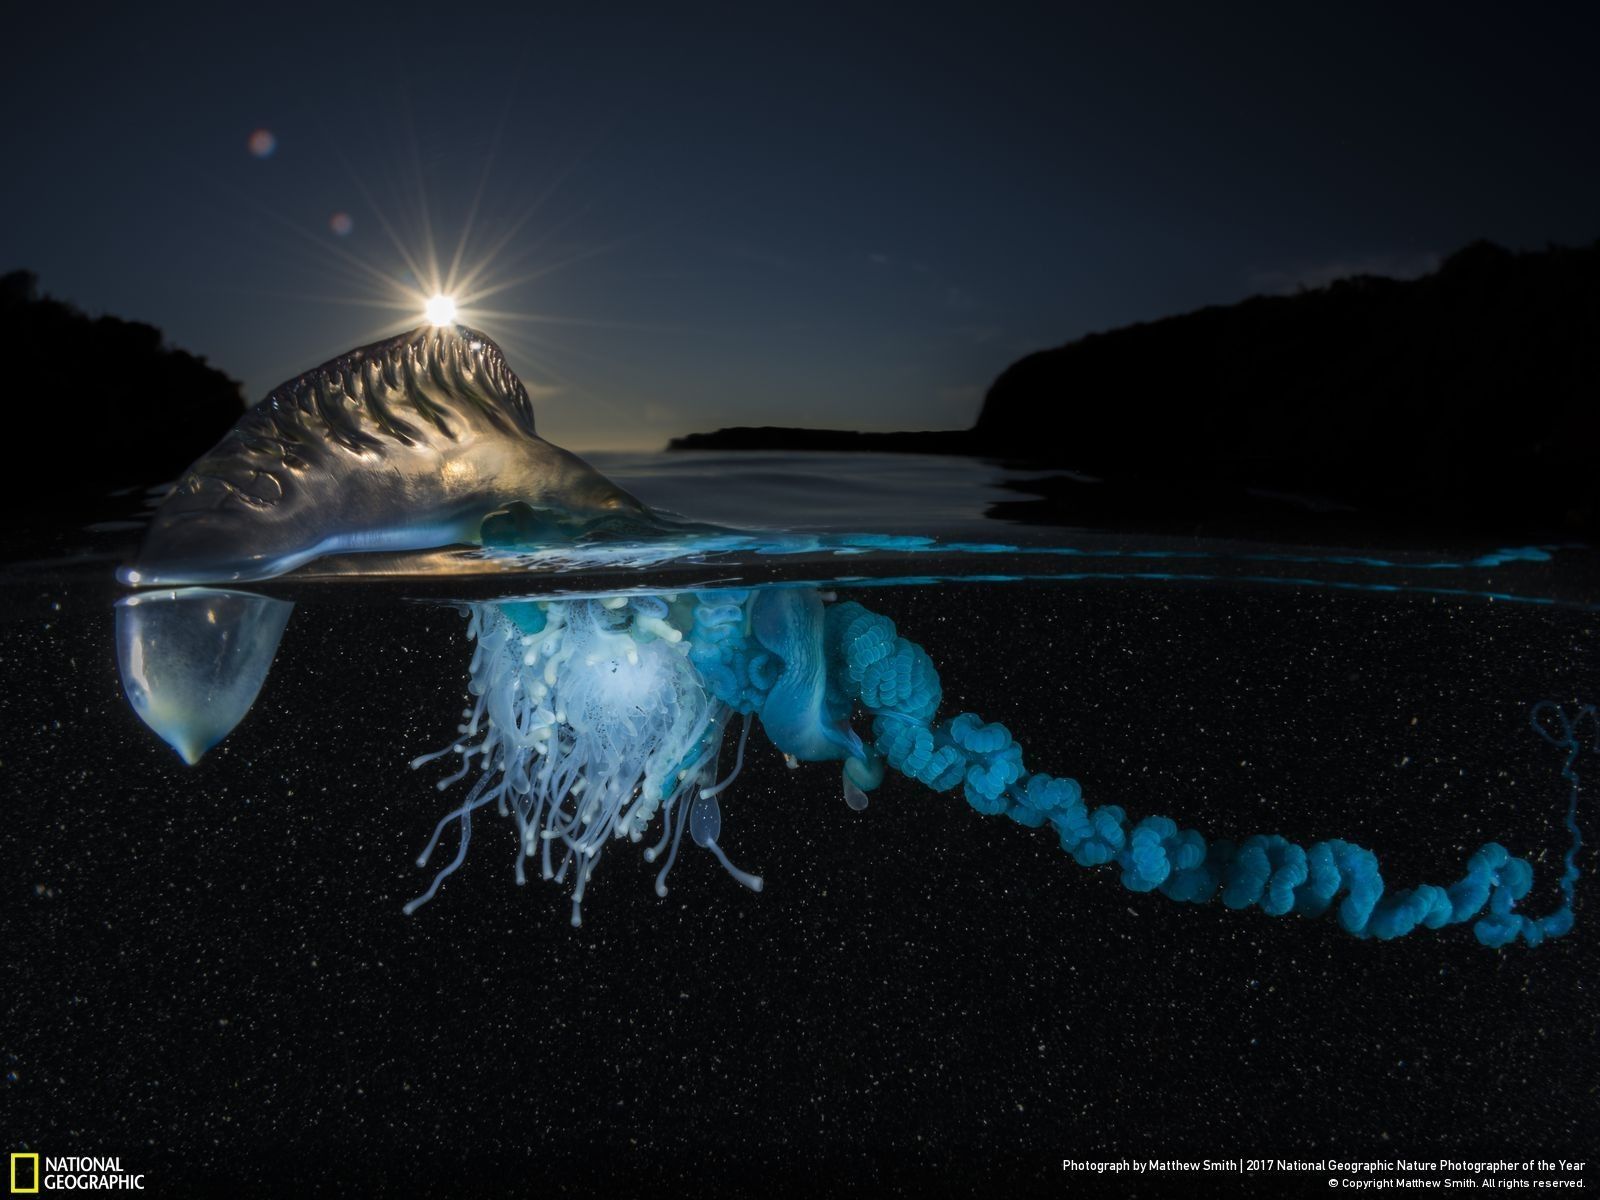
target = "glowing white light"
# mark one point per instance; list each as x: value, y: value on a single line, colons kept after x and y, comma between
x: 441, y: 309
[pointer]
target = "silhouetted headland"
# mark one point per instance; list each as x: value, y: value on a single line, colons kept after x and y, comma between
x: 1466, y: 400
x: 98, y: 404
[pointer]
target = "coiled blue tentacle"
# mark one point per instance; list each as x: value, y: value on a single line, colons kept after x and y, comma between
x: 736, y: 669
x: 896, y: 682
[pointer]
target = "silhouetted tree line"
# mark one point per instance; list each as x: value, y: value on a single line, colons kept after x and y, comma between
x: 95, y: 404
x: 1468, y: 398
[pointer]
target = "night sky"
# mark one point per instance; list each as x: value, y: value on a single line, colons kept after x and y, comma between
x: 732, y: 216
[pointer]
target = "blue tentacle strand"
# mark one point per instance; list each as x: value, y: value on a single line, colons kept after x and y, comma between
x: 1567, y: 734
x: 896, y: 682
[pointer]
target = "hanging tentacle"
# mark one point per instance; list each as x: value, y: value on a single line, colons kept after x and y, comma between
x: 895, y: 681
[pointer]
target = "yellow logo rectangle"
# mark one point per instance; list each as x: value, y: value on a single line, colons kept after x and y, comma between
x: 24, y: 1191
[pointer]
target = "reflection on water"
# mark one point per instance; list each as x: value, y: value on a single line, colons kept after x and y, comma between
x: 948, y: 496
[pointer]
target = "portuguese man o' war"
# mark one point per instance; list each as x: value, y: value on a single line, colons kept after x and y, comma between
x: 604, y: 718
x: 406, y: 444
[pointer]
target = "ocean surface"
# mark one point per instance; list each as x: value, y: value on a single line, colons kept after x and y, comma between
x: 209, y: 973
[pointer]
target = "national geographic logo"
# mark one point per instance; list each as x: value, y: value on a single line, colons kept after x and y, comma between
x: 30, y: 1174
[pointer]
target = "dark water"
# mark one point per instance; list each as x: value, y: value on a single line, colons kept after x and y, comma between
x: 209, y: 973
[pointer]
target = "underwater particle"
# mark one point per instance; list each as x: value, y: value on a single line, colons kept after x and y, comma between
x: 262, y: 142
x: 341, y: 224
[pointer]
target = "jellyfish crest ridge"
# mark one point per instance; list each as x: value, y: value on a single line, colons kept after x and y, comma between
x: 401, y: 445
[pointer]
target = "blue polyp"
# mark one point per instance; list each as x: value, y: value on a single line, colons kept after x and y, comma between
x: 526, y: 615
x: 1147, y: 867
x: 649, y: 606
x: 721, y: 649
x: 705, y: 827
x: 798, y: 714
x: 762, y: 672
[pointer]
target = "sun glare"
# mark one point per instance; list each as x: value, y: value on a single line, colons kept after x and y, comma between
x: 441, y: 309
x: 457, y: 288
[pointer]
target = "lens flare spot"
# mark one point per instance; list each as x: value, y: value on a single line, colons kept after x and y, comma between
x: 341, y: 224
x: 262, y: 143
x: 441, y: 309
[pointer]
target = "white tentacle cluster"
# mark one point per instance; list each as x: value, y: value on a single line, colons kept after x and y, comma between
x: 589, y: 719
